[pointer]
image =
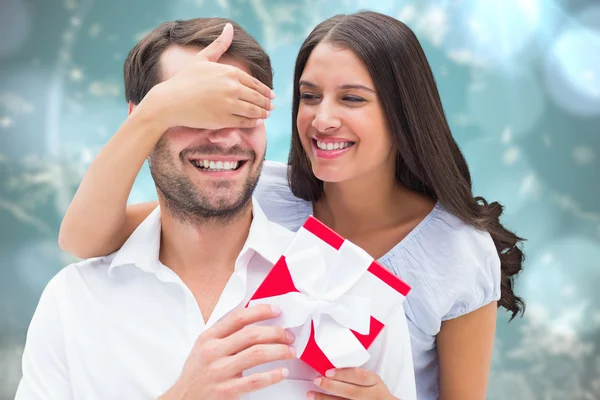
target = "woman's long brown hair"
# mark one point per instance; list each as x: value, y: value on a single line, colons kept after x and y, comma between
x: 428, y: 160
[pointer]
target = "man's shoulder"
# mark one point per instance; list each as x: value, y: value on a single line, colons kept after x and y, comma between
x: 96, y: 266
x: 93, y: 263
x: 75, y: 280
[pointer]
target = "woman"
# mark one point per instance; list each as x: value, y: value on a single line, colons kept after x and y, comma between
x: 372, y: 156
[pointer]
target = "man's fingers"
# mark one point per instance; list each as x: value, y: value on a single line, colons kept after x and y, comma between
x: 323, y: 396
x: 256, y: 334
x: 254, y: 382
x: 239, y: 318
x: 342, y: 389
x: 259, y: 354
x: 216, y: 49
x: 253, y: 83
x: 356, y: 376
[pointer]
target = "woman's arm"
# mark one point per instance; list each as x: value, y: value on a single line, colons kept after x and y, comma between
x: 465, y: 352
x: 98, y: 220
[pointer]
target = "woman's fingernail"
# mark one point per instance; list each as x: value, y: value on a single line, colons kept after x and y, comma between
x: 290, y: 336
x: 272, y: 107
x: 259, y: 122
x: 272, y: 95
x: 318, y: 381
x: 275, y: 309
x: 285, y: 372
x: 330, y: 373
x: 293, y: 351
x: 268, y: 113
x: 310, y: 395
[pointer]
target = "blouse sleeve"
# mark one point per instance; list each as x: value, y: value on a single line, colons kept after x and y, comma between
x: 452, y: 267
x: 277, y: 200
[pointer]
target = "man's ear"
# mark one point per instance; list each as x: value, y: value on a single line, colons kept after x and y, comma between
x: 131, y: 107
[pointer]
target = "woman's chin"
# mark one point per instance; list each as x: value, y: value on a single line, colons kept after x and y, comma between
x: 329, y: 174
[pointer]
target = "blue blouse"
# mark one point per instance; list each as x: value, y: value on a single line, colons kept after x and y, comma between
x: 452, y: 267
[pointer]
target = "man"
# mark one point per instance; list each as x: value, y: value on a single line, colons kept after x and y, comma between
x: 164, y: 315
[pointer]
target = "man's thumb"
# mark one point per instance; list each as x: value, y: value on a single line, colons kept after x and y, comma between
x: 216, y: 49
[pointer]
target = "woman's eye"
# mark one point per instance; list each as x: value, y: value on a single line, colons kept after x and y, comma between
x: 353, y: 99
x: 307, y: 96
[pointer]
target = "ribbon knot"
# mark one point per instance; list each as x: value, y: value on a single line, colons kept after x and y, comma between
x: 323, y: 278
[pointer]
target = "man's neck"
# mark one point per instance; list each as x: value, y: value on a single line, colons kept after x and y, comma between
x: 207, y: 248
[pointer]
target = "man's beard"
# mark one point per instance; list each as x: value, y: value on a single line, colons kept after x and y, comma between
x: 190, y: 204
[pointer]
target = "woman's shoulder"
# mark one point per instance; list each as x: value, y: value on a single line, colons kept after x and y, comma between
x: 453, y: 268
x: 274, y: 195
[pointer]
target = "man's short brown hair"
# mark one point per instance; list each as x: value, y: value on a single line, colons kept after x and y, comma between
x: 142, y: 67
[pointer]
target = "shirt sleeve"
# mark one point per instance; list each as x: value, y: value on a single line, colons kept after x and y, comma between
x: 45, y: 370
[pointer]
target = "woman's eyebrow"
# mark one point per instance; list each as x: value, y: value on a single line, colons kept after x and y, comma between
x: 342, y: 87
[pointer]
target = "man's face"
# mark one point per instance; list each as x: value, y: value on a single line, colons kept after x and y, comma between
x: 204, y: 173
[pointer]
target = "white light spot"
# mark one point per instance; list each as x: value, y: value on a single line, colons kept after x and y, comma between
x: 514, y: 100
x: 583, y: 155
x: 506, y: 135
x: 86, y: 155
x: 433, y: 24
x: 511, y: 155
x: 570, y: 70
x: 466, y: 57
x: 547, y: 258
x: 68, y: 37
x: 76, y: 74
x: 596, y: 317
x: 531, y: 186
x: 101, y: 89
x: 140, y: 35
x: 15, y: 104
x: 6, y: 122
x: 407, y: 13
x: 462, y: 119
x: 568, y: 291
x: 95, y: 30
x: 64, y: 55
x: 547, y: 141
x: 70, y: 4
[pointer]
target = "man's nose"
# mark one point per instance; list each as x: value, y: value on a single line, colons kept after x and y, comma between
x: 228, y: 137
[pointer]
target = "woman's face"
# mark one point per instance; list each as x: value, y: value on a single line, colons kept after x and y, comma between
x: 340, y: 119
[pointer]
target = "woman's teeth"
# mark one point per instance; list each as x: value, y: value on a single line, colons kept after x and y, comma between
x: 333, y: 146
x: 216, y: 165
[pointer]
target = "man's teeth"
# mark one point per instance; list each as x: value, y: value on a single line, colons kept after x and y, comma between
x: 333, y: 146
x: 216, y: 165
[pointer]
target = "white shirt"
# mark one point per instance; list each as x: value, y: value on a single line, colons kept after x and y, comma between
x: 122, y: 326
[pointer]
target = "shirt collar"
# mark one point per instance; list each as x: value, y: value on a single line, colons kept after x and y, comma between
x: 143, y: 246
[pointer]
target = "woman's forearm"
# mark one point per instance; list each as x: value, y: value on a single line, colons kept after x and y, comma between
x: 95, y: 221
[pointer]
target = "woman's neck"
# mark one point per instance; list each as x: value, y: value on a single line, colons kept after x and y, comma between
x: 361, y: 205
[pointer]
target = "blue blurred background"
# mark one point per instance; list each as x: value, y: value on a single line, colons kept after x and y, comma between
x: 520, y: 81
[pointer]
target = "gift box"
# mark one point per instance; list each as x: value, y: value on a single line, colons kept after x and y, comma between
x: 333, y: 295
